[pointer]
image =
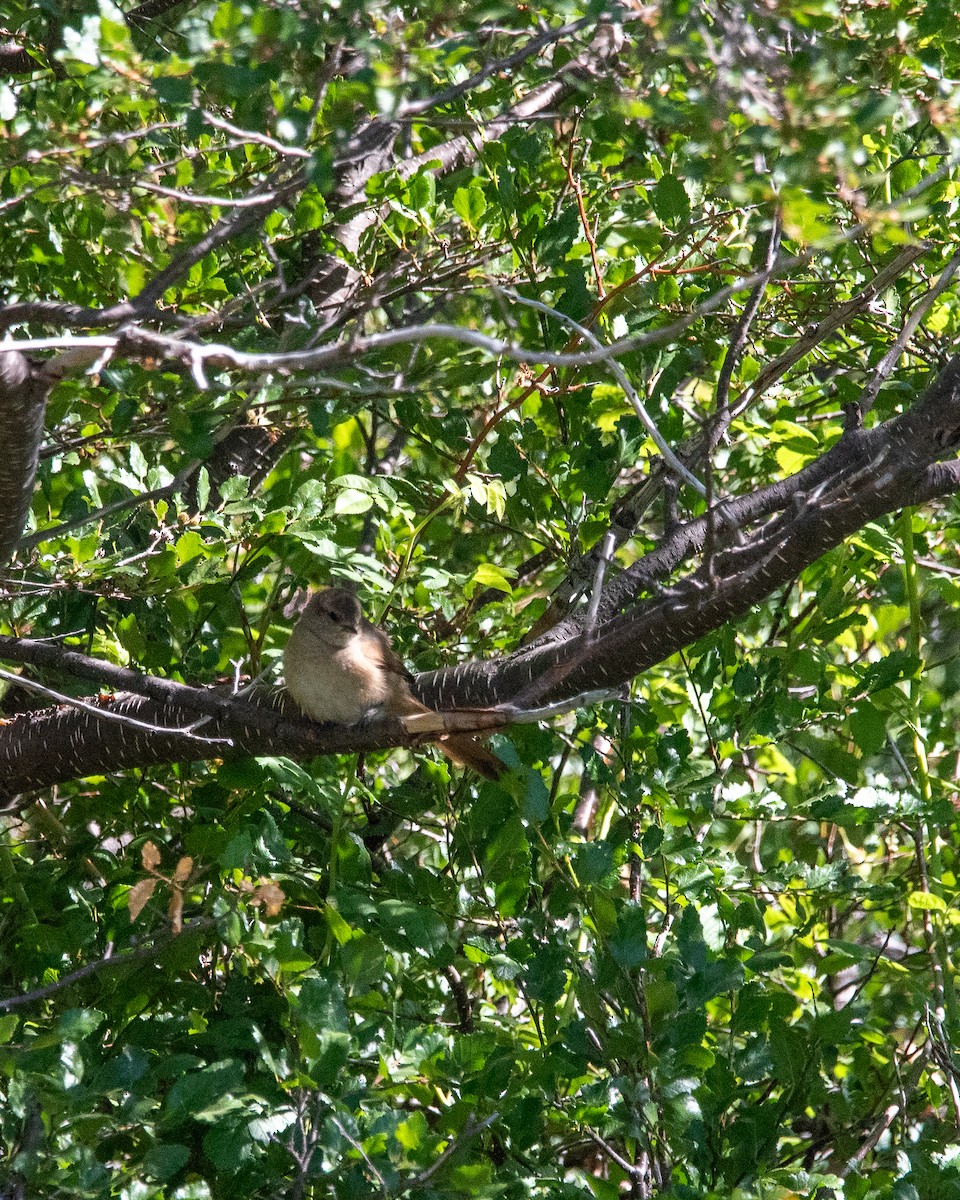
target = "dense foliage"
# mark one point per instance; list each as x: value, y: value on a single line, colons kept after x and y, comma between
x: 700, y: 941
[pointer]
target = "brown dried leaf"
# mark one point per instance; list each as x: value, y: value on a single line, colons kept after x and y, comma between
x: 138, y: 896
x: 150, y: 856
x: 183, y: 870
x: 175, y: 911
x: 271, y: 896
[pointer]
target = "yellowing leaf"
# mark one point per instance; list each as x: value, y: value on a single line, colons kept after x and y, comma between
x: 927, y: 901
x: 487, y: 575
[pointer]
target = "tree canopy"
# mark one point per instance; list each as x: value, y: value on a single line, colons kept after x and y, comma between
x: 609, y: 353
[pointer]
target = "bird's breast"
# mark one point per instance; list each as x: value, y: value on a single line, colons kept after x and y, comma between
x: 342, y: 686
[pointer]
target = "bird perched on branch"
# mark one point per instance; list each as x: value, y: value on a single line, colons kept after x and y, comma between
x: 339, y: 667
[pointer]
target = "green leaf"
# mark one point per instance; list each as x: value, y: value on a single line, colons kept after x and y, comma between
x: 487, y: 575
x: 189, y: 546
x: 203, y: 489
x: 165, y: 1160
x: 424, y: 929
x: 323, y: 1025
x: 670, y: 201
x: 205, y: 1094
x: 350, y: 501
x: 868, y: 726
x: 889, y: 670
x: 470, y: 203
x: 628, y: 945
x: 338, y: 926
x: 413, y: 1133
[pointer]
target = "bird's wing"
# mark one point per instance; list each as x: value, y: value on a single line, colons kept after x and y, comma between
x: 389, y: 658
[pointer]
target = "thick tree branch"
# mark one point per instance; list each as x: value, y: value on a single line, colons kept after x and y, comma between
x: 150, y: 10
x: 201, y: 702
x: 40, y: 749
x: 337, y: 282
x: 868, y: 474
x: 627, y: 513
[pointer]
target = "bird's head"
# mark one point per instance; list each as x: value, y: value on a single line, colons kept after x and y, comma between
x: 333, y: 616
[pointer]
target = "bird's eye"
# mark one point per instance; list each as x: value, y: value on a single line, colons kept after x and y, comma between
x: 332, y: 615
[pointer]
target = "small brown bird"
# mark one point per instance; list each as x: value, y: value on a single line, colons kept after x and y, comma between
x: 339, y: 667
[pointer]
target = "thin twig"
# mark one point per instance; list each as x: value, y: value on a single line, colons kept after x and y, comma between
x: 153, y: 687
x: 249, y: 135
x: 631, y: 1170
x: 470, y: 1131
x: 108, y: 961
x: 108, y: 510
x: 910, y: 326
x: 621, y: 376
x: 496, y: 67
x: 739, y: 340
x: 606, y: 554
x: 584, y: 222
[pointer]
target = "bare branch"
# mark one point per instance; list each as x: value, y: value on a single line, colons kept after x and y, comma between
x: 910, y: 327
x: 199, y: 701
x: 629, y: 390
x: 137, y: 342
x: 251, y: 135
x: 15, y: 60
x: 741, y: 333
x: 496, y: 67
x: 150, y: 10
x: 101, y: 713
x: 470, y: 1130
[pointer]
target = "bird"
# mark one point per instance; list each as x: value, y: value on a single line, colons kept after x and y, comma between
x: 339, y: 667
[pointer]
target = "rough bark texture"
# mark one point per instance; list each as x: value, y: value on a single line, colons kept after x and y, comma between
x: 867, y: 474
x: 14, y: 60
x: 40, y: 749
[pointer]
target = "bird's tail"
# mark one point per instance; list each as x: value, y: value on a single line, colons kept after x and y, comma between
x: 464, y: 748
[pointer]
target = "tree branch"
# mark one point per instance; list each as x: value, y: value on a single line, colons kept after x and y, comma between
x: 867, y: 474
